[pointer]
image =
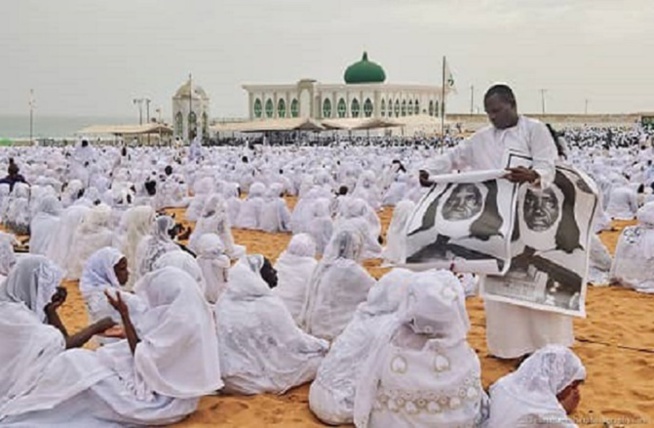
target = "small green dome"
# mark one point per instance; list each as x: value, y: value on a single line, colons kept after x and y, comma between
x: 365, y: 71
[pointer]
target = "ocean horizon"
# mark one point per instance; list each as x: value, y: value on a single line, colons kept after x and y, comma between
x: 58, y: 127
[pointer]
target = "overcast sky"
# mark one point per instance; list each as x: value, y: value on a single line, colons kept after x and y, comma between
x: 92, y: 57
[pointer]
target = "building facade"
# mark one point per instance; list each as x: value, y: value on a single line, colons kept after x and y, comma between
x: 363, y: 95
x: 190, y: 111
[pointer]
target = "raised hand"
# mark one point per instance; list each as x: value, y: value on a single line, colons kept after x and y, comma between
x: 58, y: 299
x: 117, y: 303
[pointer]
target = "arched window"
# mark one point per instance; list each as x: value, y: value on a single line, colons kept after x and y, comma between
x: 416, y: 107
x: 342, y: 108
x: 281, y: 108
x: 179, y: 123
x: 431, y: 107
x: 404, y: 108
x: 383, y: 108
x: 436, y: 110
x: 295, y: 108
x: 355, y: 108
x: 257, y: 108
x: 367, y: 108
x: 410, y: 110
x: 192, y: 125
x: 270, y: 109
x: 327, y: 108
x: 397, y: 108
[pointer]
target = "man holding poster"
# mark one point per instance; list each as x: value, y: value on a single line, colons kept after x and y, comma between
x: 512, y: 331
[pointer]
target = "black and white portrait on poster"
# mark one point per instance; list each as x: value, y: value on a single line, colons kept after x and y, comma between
x: 465, y: 220
x: 549, y: 244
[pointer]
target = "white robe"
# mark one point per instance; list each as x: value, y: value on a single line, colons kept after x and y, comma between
x: 294, y: 273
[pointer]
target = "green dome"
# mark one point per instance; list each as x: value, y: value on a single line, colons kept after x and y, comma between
x: 365, y: 71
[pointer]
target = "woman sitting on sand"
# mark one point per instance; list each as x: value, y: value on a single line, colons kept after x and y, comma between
x: 337, y: 286
x: 154, y: 377
x: 214, y: 264
x: 137, y: 223
x: 331, y: 397
x: 31, y: 332
x: 43, y: 227
x: 294, y: 268
x: 261, y: 348
x: 183, y: 261
x: 542, y: 392
x: 155, y: 245
x: 421, y: 371
x: 214, y: 219
x: 93, y: 233
x: 633, y: 264
x: 395, y: 250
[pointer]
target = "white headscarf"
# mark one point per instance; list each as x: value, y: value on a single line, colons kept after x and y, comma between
x: 214, y: 265
x: 530, y: 393
x: 395, y: 251
x: 138, y: 224
x: 33, y: 281
x: 99, y: 272
x: 183, y: 261
x: 178, y: 315
x: 7, y: 256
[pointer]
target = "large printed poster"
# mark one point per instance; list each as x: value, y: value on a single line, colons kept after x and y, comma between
x: 464, y: 221
x: 550, y: 244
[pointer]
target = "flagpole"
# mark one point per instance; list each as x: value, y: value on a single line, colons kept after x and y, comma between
x: 442, y: 112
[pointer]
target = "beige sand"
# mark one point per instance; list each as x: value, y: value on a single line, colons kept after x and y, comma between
x: 616, y: 343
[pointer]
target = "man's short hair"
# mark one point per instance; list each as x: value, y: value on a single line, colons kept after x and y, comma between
x: 504, y: 92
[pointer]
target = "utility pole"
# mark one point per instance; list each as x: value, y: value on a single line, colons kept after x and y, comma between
x: 542, y: 99
x: 472, y: 99
x: 139, y: 102
x: 586, y: 107
x: 147, y: 114
x: 32, y: 104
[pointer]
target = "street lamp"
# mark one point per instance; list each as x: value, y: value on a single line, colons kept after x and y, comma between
x: 139, y: 102
x: 32, y: 104
x: 542, y: 99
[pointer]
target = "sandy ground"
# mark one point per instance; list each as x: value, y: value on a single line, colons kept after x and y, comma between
x: 615, y: 342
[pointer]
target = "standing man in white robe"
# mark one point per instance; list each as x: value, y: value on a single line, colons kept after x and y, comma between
x: 512, y: 331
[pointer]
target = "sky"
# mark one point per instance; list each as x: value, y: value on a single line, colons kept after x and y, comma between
x: 93, y: 57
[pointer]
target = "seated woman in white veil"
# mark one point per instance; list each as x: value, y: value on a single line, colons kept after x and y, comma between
x: 43, y: 227
x: 215, y: 219
x: 357, y: 215
x: 320, y: 223
x: 18, y: 214
x: 261, y: 348
x: 633, y: 264
x: 542, y: 392
x: 155, y: 245
x: 599, y: 263
x: 93, y: 233
x: 214, y: 264
x: 7, y: 255
x: 31, y: 331
x: 331, y: 397
x: 421, y: 371
x: 395, y: 250
x: 184, y: 261
x: 294, y: 269
x: 275, y: 216
x: 337, y: 286
x: 155, y: 376
x: 203, y: 189
x: 137, y: 223
x: 250, y: 213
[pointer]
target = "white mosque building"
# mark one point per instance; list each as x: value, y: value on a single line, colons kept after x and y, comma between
x: 190, y: 111
x: 365, y: 94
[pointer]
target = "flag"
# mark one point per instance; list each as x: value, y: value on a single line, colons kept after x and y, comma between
x: 448, y: 78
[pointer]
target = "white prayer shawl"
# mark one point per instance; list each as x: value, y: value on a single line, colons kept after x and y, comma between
x: 93, y: 233
x: 7, y: 256
x: 18, y: 213
x: 4, y: 201
x: 421, y: 371
x: 215, y: 220
x: 336, y: 288
x: 395, y: 250
x: 250, y: 214
x: 214, y: 264
x: 154, y: 246
x: 262, y: 350
x: 27, y: 342
x: 331, y: 397
x: 138, y: 222
x: 633, y: 264
x: 599, y: 263
x: 71, y: 218
x: 275, y: 216
x: 155, y: 386
x: 44, y: 226
x: 294, y: 269
x: 623, y: 203
x: 185, y: 262
x: 527, y: 397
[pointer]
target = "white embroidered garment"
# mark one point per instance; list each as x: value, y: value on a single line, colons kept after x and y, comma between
x: 337, y: 286
x: 331, y: 397
x: 294, y: 269
x: 214, y: 265
x: 527, y: 397
x: 155, y: 386
x: 421, y: 370
x: 93, y: 233
x: 43, y: 227
x: 262, y: 350
x: 138, y: 223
